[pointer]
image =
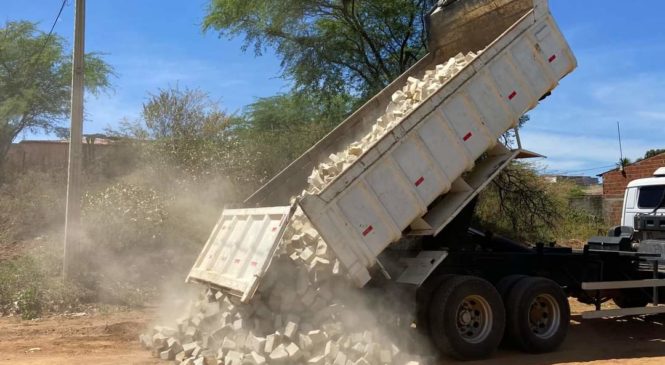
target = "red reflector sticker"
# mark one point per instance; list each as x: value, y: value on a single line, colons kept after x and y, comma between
x: 254, y: 263
x: 467, y: 136
x: 512, y: 95
x: 552, y: 58
x: 367, y: 230
x: 420, y: 180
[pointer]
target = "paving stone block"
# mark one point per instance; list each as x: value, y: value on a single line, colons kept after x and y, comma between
x: 279, y: 355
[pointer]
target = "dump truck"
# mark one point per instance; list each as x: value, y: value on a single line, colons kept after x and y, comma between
x: 401, y: 212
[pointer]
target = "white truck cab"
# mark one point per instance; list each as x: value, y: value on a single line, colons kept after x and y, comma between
x: 642, y: 196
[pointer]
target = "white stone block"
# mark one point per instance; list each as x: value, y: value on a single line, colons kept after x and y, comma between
x: 331, y: 350
x: 304, y: 341
x: 294, y: 351
x: 340, y: 359
x: 233, y: 358
x: 257, y: 358
x: 317, y: 360
x: 270, y: 344
x: 307, y: 254
x: 361, y: 361
x: 279, y: 355
x: 188, y: 348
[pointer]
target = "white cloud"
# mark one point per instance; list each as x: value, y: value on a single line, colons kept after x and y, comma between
x: 652, y: 115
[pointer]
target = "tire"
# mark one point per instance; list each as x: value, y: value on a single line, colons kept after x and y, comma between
x: 631, y: 298
x: 537, y: 314
x: 507, y: 283
x: 424, y: 296
x: 504, y: 286
x: 467, y: 318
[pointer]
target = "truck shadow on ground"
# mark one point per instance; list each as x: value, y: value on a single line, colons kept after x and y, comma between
x: 597, y: 340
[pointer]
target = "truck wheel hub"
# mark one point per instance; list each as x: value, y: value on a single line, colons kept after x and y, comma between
x: 474, y: 319
x: 544, y: 316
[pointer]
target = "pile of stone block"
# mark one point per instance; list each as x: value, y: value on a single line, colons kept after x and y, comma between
x: 403, y: 102
x: 305, y: 311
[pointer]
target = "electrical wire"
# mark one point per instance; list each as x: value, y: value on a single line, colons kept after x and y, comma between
x: 50, y: 32
x: 578, y: 171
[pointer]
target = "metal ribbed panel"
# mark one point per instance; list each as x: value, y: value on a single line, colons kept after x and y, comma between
x: 379, y: 195
x: 240, y: 248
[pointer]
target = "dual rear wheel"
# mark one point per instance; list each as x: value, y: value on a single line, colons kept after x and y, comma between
x: 467, y: 317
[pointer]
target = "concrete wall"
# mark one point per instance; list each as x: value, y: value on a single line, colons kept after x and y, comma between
x: 591, y: 204
x: 45, y: 155
x: 615, y: 182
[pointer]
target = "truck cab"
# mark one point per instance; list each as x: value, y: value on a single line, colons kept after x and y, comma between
x: 642, y: 196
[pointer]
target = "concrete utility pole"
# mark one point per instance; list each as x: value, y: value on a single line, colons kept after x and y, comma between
x: 73, y: 210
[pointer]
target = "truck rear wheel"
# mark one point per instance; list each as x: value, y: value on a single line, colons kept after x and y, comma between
x: 537, y: 314
x: 424, y: 296
x: 467, y: 318
x: 507, y: 283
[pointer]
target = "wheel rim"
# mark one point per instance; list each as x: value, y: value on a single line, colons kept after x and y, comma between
x: 474, y: 319
x: 544, y: 316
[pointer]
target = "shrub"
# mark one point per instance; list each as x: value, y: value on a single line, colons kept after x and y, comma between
x: 32, y: 284
x: 521, y: 205
x: 124, y: 217
x: 31, y: 203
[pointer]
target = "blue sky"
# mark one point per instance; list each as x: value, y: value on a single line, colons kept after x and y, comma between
x: 620, y: 48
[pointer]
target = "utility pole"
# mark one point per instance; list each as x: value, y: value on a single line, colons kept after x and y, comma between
x: 73, y: 211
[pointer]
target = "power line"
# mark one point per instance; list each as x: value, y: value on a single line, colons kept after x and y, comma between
x: 560, y: 172
x: 50, y: 32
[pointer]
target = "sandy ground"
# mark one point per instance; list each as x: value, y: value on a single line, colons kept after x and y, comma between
x: 112, y: 339
x: 103, y: 339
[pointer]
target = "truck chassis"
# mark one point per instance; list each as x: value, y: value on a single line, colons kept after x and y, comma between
x: 492, y: 289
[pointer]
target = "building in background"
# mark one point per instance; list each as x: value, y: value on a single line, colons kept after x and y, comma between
x: 615, y: 182
x: 577, y: 180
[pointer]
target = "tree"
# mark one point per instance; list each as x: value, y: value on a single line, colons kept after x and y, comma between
x: 182, y: 132
x: 182, y: 114
x: 278, y: 129
x: 623, y: 162
x: 357, y: 47
x: 520, y: 204
x: 654, y: 152
x: 35, y: 80
x: 509, y: 138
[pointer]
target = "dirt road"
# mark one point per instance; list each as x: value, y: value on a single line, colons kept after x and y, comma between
x: 112, y: 339
x: 103, y: 339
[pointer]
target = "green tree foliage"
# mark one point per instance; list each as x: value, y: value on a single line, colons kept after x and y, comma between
x: 623, y: 162
x: 185, y: 131
x: 349, y: 46
x: 177, y: 114
x: 35, y: 80
x: 278, y: 129
x: 654, y: 152
x: 509, y: 139
x: 521, y: 205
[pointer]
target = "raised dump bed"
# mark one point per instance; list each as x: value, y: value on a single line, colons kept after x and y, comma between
x: 421, y: 173
x: 392, y: 185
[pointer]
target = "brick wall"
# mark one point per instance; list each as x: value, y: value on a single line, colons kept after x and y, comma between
x: 615, y: 182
